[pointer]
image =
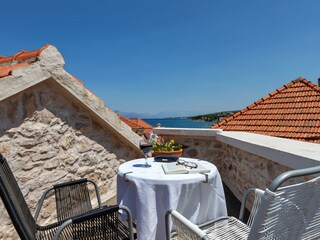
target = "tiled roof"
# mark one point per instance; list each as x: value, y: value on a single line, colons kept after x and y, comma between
x: 130, y: 123
x: 137, y: 125
x: 20, y: 59
x: 147, y: 127
x: 292, y: 111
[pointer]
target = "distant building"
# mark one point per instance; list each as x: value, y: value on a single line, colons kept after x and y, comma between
x: 147, y: 128
x: 292, y: 111
x: 221, y: 118
x: 138, y: 126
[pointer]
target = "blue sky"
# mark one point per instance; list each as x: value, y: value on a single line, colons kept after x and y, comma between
x: 183, y: 56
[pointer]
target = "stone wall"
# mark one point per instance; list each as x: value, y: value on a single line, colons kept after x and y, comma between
x: 49, y: 138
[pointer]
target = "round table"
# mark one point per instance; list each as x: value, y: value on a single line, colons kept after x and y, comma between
x: 149, y: 193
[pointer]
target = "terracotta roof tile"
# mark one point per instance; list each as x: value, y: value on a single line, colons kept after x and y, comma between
x: 292, y: 111
x: 130, y: 123
x: 20, y: 59
x: 6, y: 70
x: 147, y: 127
x: 137, y: 124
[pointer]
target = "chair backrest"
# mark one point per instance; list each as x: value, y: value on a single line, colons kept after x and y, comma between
x: 291, y: 212
x: 258, y: 193
x: 184, y: 228
x: 72, y: 198
x: 14, y: 202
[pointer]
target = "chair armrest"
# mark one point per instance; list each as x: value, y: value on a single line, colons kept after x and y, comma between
x: 258, y: 193
x: 96, y: 214
x: 40, y: 203
x: 292, y: 174
x: 190, y: 226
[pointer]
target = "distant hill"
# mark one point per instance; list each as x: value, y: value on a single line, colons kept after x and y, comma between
x: 217, y: 117
x: 134, y: 115
x: 179, y: 114
x: 163, y: 114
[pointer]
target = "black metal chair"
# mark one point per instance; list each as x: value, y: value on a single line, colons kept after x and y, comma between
x: 72, y: 198
x: 99, y: 223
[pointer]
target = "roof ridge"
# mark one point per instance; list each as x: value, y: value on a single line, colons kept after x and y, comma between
x: 265, y: 98
x: 307, y: 82
x: 22, y: 55
x: 314, y: 86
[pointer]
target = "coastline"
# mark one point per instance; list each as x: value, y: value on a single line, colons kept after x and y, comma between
x: 178, y: 122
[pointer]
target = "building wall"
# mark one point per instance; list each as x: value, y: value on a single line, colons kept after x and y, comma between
x: 48, y: 138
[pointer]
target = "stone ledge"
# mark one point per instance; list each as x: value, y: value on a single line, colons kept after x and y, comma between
x: 290, y: 153
x: 190, y: 132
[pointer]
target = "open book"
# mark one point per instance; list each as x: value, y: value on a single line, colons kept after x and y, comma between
x: 173, y: 168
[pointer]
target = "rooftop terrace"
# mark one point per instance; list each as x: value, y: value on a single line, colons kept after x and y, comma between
x: 55, y: 130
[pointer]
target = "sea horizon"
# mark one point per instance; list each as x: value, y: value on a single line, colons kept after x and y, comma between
x: 178, y: 122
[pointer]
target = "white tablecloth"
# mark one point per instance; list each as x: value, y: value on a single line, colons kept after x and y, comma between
x: 149, y: 193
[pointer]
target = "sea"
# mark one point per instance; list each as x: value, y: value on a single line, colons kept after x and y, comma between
x: 178, y: 123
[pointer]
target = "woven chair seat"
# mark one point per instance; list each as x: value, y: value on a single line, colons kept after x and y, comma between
x: 231, y: 229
